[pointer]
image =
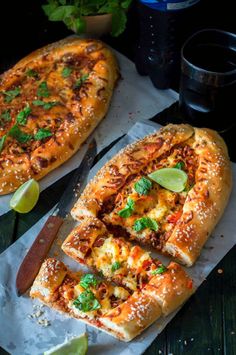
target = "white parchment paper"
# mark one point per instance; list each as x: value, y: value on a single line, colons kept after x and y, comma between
x: 134, y: 99
x: 21, y: 335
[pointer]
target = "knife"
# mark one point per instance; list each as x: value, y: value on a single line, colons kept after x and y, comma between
x: 42, y: 244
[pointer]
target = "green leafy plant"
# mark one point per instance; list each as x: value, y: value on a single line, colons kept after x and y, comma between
x: 72, y: 13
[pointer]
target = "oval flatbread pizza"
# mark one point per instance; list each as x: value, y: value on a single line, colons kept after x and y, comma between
x: 125, y: 196
x: 49, y: 104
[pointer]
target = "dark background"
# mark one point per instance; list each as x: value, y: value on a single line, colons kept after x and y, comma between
x: 24, y: 27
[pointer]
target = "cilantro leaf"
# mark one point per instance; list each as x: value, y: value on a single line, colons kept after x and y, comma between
x: 11, y: 94
x: 43, y: 90
x: 81, y: 80
x: 143, y: 186
x: 66, y: 72
x: 159, y: 270
x: 5, y: 117
x: 32, y: 73
x: 180, y: 165
x: 45, y: 105
x: 22, y: 116
x: 2, y: 142
x: 145, y: 222
x: 128, y: 209
x: 115, y: 266
x: 86, y: 302
x: 19, y: 135
x: 87, y: 280
x: 42, y: 133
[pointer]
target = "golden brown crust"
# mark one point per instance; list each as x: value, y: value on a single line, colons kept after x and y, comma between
x: 71, y: 120
x: 205, y: 202
x: 57, y: 287
x: 128, y: 161
x: 171, y: 288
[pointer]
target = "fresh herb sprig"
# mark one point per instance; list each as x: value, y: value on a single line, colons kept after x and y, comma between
x: 115, y: 266
x: 81, y: 80
x: 72, y: 13
x: 143, y: 186
x: 127, y: 211
x: 145, y: 222
x: 159, y: 270
x: 86, y: 302
x: 88, y: 280
x: 11, y: 94
x: 46, y: 105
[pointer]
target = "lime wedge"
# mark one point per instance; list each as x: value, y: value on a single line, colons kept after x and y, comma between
x: 171, y: 178
x: 75, y: 346
x: 25, y: 197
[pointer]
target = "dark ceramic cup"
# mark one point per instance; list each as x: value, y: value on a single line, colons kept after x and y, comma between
x: 208, y: 79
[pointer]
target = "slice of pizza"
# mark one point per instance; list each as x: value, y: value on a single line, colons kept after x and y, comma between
x: 117, y: 259
x: 110, y: 308
x: 50, y: 102
x: 125, y: 197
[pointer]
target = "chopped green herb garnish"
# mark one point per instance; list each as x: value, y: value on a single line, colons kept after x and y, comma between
x: 159, y: 270
x: 11, y: 94
x: 66, y: 72
x: 180, y: 165
x: 80, y: 81
x: 88, y: 280
x: 5, y: 117
x: 115, y: 266
x: 43, y: 90
x: 143, y: 186
x: 20, y: 136
x: 32, y: 73
x: 22, y: 116
x: 86, y: 302
x: 45, y: 105
x: 42, y: 133
x: 128, y: 209
x: 145, y: 222
x: 2, y: 142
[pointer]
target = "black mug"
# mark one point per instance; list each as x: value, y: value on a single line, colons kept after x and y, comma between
x: 208, y: 79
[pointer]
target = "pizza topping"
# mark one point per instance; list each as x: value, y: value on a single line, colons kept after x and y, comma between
x: 88, y: 280
x: 145, y: 222
x: 42, y: 134
x: 11, y: 94
x: 180, y: 165
x: 5, y: 117
x: 170, y: 178
x: 32, y: 73
x: 115, y: 266
x: 81, y: 80
x: 43, y: 90
x: 22, y: 116
x: 128, y: 209
x: 174, y: 217
x: 19, y: 135
x: 46, y: 105
x: 143, y: 186
x: 2, y: 141
x: 86, y: 301
x: 159, y: 270
x: 66, y: 71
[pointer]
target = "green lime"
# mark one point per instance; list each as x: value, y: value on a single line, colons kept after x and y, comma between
x: 171, y: 178
x: 75, y: 346
x: 25, y: 197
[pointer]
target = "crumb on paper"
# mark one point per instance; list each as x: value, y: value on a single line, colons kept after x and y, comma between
x: 220, y: 271
x: 44, y: 322
x: 37, y: 313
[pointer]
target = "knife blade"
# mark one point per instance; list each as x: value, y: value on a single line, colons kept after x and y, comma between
x: 34, y: 258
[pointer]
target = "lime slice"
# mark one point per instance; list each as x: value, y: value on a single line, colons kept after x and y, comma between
x: 75, y: 346
x: 170, y: 178
x: 25, y: 197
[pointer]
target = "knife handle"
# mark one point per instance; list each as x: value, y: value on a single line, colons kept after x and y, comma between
x: 37, y: 253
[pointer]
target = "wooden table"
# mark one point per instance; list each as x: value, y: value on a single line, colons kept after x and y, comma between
x: 206, y: 324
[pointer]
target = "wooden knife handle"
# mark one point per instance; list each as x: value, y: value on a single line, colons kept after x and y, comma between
x: 36, y: 254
